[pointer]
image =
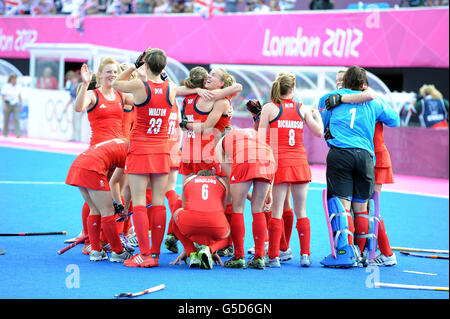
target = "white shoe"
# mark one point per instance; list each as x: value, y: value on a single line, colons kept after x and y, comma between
x: 286, y: 255
x: 96, y: 255
x: 120, y: 258
x: 305, y: 260
x: 273, y: 263
x: 251, y: 251
x: 382, y: 260
x: 132, y: 240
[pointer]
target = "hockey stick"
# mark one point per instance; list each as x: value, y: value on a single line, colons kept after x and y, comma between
x: 131, y: 213
x: 36, y: 234
x: 136, y: 294
x: 79, y: 241
x: 373, y: 249
x: 436, y: 251
x: 327, y: 216
x: 382, y: 284
x: 423, y: 256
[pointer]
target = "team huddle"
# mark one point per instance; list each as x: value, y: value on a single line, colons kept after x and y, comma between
x: 141, y: 140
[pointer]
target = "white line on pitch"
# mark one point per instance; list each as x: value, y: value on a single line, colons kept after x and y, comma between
x: 420, y: 273
x: 31, y: 183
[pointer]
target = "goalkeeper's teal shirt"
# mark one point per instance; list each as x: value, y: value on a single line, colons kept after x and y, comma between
x: 353, y: 125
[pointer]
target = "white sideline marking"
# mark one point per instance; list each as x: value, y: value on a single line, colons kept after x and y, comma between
x: 31, y: 183
x: 420, y: 273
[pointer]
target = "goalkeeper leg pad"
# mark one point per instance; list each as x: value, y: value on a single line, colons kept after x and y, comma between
x: 343, y: 254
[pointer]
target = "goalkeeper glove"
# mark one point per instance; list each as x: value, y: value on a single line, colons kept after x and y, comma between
x: 333, y: 100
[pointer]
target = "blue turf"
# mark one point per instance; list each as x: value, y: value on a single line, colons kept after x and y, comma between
x: 32, y: 269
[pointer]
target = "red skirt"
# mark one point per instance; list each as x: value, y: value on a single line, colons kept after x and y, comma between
x: 244, y: 172
x: 384, y: 175
x: 147, y: 164
x: 82, y: 177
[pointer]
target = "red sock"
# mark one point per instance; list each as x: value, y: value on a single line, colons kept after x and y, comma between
x: 268, y: 217
x: 173, y: 198
x: 288, y: 220
x: 383, y: 241
x: 238, y: 234
x: 361, y: 228
x: 148, y: 196
x: 126, y: 226
x: 228, y: 215
x: 283, y: 244
x: 304, y: 234
x: 186, y: 242
x: 158, y: 227
x: 275, y: 230
x: 351, y: 227
x: 111, y: 234
x: 141, y: 228
x: 170, y: 227
x: 217, y: 245
x: 259, y: 228
x: 94, y: 226
x: 84, y: 217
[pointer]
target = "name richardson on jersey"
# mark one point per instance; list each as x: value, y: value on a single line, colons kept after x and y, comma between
x: 290, y: 124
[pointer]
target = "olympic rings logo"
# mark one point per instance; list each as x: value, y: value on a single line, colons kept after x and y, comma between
x: 57, y: 116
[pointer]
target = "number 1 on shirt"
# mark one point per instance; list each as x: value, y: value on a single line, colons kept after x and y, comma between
x: 353, y: 113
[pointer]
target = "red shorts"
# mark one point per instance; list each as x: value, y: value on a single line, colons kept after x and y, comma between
x: 147, y: 164
x: 244, y: 172
x: 293, y: 174
x: 384, y: 175
x: 203, y: 227
x: 82, y: 177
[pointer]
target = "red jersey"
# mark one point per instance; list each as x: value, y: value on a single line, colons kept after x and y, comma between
x: 243, y: 146
x: 195, y: 143
x: 150, y: 131
x: 105, y: 118
x: 192, y: 145
x: 204, y: 194
x: 127, y: 121
x: 286, y: 133
x: 103, y: 156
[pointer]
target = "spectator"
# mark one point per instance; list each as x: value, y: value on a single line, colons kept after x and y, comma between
x: 231, y: 5
x: 287, y: 5
x: 261, y: 7
x: 126, y: 6
x: 161, y: 6
x: 47, y: 80
x: 321, y: 5
x: 144, y: 6
x: 12, y: 103
x: 91, y: 7
x: 273, y: 4
x: 432, y: 108
x: 102, y: 5
x: 113, y: 7
x: 71, y: 86
x: 42, y: 7
x: 250, y: 6
x: 416, y: 3
x: 178, y: 6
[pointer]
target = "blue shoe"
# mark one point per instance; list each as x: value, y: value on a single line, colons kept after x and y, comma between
x: 347, y: 256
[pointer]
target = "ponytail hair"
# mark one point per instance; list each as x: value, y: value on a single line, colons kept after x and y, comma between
x: 227, y: 78
x: 281, y: 86
x: 196, y: 78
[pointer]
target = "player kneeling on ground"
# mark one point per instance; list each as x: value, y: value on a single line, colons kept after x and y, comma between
x: 201, y: 219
